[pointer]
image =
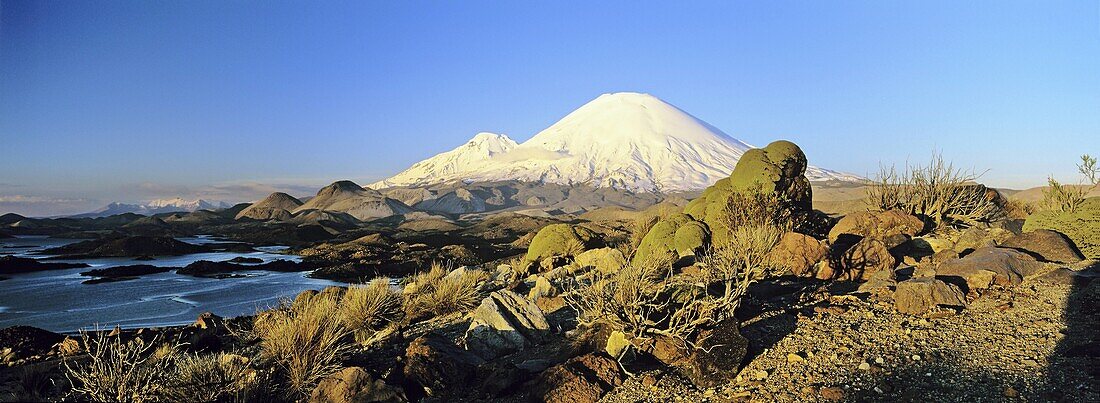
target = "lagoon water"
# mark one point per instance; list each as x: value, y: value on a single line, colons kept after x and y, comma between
x: 57, y: 300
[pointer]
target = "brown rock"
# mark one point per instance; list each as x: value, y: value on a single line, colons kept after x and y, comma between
x: 69, y: 346
x: 879, y: 225
x: 354, y: 385
x: 1007, y: 266
x: 550, y: 304
x: 1046, y: 245
x: 862, y: 260
x: 917, y: 296
x: 717, y: 356
x: 797, y: 252
x: 581, y: 379
x: 975, y: 238
x: 439, y: 365
x: 832, y: 394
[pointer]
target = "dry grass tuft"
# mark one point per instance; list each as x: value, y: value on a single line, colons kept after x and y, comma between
x: 34, y: 383
x: 370, y: 307
x: 1066, y: 199
x: 211, y: 378
x: 306, y: 341
x: 434, y: 292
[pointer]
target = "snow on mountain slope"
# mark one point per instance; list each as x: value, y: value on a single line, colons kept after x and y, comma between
x: 626, y: 141
x: 155, y: 207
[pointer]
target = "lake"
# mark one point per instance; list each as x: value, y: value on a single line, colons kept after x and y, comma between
x: 56, y: 300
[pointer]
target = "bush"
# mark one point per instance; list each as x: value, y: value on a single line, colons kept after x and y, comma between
x: 1067, y: 198
x: 306, y: 341
x: 647, y: 299
x: 211, y: 378
x: 370, y: 307
x: 117, y: 371
x: 938, y: 191
x: 436, y: 292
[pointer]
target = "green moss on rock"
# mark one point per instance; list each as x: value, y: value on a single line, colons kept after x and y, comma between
x: 560, y: 240
x: 1081, y: 226
x: 674, y: 236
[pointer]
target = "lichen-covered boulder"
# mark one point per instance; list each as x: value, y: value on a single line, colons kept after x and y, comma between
x: 672, y: 237
x: 778, y: 169
x: 353, y: 385
x: 606, y: 260
x: 560, y: 240
x: 1081, y: 226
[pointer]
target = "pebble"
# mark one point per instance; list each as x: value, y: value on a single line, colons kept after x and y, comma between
x: 865, y: 366
x: 915, y: 357
x: 1011, y: 392
x: 760, y: 375
x: 832, y: 394
x: 794, y: 358
x: 880, y: 361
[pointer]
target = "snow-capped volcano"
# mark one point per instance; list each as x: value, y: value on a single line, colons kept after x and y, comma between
x: 627, y: 141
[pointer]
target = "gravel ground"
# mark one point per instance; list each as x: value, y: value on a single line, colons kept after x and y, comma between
x: 1018, y: 344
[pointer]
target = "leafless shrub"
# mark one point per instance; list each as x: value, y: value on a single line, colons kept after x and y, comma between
x: 117, y: 371
x: 647, y: 299
x: 306, y: 341
x: 939, y: 191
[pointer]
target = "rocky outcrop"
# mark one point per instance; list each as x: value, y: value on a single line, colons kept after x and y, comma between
x: 1046, y: 245
x: 354, y: 385
x: 126, y: 271
x: 206, y: 268
x: 133, y: 246
x: 504, y: 323
x: 920, y: 295
x: 13, y: 265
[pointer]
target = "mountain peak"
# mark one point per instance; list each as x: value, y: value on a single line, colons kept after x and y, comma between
x: 625, y: 140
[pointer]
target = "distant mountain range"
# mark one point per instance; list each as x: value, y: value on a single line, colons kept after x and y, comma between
x: 628, y: 141
x: 155, y: 207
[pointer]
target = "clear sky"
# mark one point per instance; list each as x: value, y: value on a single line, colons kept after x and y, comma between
x: 133, y: 100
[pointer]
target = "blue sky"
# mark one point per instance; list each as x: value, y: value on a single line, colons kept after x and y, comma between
x: 120, y: 100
